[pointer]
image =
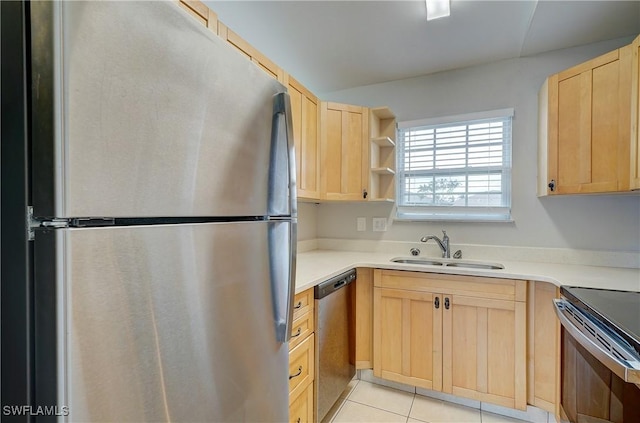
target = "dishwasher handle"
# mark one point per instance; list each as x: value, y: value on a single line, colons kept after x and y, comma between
x: 337, y: 282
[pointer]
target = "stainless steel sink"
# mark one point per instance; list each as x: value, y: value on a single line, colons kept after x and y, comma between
x: 475, y: 265
x: 447, y: 263
x: 417, y: 261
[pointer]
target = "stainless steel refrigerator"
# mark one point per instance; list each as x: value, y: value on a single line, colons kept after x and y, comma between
x: 163, y: 221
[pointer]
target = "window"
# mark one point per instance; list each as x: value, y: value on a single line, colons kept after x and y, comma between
x: 455, y: 168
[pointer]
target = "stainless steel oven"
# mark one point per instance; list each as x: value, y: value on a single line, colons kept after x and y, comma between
x: 600, y: 370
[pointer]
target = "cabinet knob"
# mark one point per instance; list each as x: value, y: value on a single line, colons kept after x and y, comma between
x: 552, y: 185
x: 446, y: 303
x: 437, y: 302
x: 364, y: 193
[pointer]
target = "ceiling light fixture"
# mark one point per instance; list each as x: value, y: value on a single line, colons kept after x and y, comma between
x: 437, y: 9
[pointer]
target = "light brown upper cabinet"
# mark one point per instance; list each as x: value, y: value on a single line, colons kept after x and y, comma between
x: 585, y: 127
x: 344, y: 152
x: 305, y: 114
x: 635, y: 114
x: 252, y: 54
x: 201, y: 13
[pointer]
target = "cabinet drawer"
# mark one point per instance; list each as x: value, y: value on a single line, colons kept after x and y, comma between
x: 302, y: 303
x: 302, y: 328
x: 301, y: 407
x: 301, y: 363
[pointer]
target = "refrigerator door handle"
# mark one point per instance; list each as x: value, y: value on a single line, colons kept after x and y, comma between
x: 282, y: 204
x: 293, y: 250
x: 282, y: 172
x: 282, y: 265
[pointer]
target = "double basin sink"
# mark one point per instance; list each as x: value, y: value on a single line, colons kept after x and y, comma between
x: 448, y: 263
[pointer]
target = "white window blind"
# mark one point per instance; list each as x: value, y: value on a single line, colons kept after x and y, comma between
x: 455, y: 168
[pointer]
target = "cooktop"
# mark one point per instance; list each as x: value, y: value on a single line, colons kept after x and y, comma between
x: 617, y: 310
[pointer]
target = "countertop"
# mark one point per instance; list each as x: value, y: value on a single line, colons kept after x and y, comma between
x: 316, y: 266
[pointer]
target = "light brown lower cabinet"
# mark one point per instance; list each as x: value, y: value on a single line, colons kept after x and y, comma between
x: 484, y: 350
x: 364, y: 318
x: 461, y: 335
x: 543, y: 347
x: 407, y: 337
x: 302, y: 359
x: 301, y: 407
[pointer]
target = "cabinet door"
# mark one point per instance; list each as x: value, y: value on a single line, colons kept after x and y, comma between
x: 305, y: 112
x: 635, y: 114
x: 543, y: 347
x: 364, y: 318
x: 344, y: 151
x: 483, y: 349
x: 407, y: 337
x: 589, y: 125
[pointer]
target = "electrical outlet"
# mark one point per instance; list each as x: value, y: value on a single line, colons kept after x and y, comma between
x: 379, y: 224
x: 361, y: 224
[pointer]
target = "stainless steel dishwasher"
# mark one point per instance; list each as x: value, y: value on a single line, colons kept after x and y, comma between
x: 335, y: 351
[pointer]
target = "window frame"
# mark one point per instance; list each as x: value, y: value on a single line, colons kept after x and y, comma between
x: 466, y: 213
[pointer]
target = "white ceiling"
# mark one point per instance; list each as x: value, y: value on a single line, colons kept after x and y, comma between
x: 334, y: 45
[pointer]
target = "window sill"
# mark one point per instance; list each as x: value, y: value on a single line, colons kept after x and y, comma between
x: 461, y: 219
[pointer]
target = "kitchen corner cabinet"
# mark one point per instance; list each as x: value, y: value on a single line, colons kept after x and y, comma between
x: 305, y: 114
x: 461, y: 335
x: 382, y: 154
x: 635, y: 114
x: 344, y: 152
x: 585, y: 127
x: 302, y: 359
x: 250, y: 52
x: 543, y: 347
x: 364, y: 318
x: 201, y: 13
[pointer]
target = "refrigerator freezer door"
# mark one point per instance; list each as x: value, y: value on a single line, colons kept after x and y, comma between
x: 174, y: 323
x: 158, y: 116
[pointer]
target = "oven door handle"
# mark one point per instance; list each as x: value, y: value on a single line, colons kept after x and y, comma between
x: 629, y: 371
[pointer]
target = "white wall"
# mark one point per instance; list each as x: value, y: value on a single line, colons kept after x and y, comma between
x: 307, y: 221
x: 599, y: 222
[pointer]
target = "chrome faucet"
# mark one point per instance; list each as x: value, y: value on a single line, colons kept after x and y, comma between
x: 443, y: 244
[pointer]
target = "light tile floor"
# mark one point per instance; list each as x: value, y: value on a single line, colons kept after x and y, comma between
x: 367, y: 402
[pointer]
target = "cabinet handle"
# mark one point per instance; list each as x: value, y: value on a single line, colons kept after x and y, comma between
x: 297, y: 374
x: 364, y: 193
x: 299, y: 420
x: 446, y: 303
x: 552, y: 185
x: 297, y: 333
x: 297, y: 306
x: 437, y: 302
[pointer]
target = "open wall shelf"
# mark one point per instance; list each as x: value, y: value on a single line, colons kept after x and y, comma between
x: 382, y: 154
